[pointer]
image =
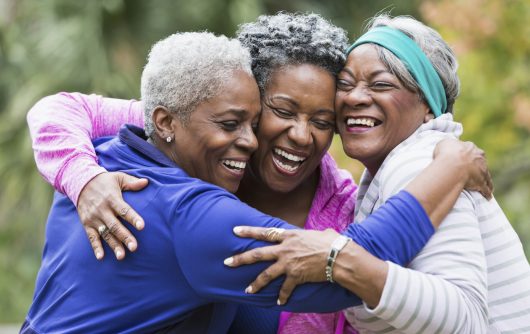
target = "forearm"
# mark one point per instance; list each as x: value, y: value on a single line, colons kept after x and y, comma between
x: 62, y: 126
x: 450, y: 270
x: 361, y: 273
x: 399, y: 231
x: 437, y: 188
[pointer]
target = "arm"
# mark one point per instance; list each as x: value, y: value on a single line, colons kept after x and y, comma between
x: 61, y: 127
x: 306, y: 252
x: 206, y: 238
x: 445, y: 289
x: 437, y: 184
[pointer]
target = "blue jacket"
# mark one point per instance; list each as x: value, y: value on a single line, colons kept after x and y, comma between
x: 176, y: 280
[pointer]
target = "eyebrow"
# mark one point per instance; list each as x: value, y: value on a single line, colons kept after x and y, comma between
x: 373, y: 74
x: 235, y: 111
x: 286, y: 99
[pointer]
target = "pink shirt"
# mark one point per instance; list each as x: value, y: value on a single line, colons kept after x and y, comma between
x: 63, y: 125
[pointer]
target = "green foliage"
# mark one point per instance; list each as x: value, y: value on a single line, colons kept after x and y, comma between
x: 492, y: 40
x: 100, y: 46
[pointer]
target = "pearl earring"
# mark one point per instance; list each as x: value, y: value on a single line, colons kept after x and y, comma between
x: 168, y: 139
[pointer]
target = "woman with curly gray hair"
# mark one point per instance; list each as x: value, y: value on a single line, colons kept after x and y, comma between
x: 295, y: 59
x: 394, y: 104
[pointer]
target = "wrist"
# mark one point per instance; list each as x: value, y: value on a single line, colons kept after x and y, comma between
x: 361, y: 273
x: 336, y: 247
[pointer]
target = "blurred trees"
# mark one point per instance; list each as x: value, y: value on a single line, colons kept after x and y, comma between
x: 100, y: 46
x: 492, y: 41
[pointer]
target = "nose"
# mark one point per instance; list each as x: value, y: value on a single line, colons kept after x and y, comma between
x: 300, y: 134
x: 248, y: 140
x: 358, y: 97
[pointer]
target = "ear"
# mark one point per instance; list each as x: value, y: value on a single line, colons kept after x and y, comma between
x: 427, y: 113
x: 165, y: 123
x: 428, y: 116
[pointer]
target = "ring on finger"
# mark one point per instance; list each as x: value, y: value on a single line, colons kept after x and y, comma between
x: 274, y: 234
x: 103, y: 231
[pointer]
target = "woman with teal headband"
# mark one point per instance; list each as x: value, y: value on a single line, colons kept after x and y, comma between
x: 394, y: 102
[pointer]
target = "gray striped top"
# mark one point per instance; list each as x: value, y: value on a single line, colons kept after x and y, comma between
x: 471, y: 277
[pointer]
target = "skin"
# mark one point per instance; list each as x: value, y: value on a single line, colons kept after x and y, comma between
x: 366, y: 90
x: 298, y: 118
x: 219, y: 131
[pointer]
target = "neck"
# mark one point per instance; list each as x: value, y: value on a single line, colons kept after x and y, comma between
x: 292, y: 206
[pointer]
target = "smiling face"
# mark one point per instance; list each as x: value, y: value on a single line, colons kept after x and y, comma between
x: 296, y: 126
x: 216, y: 143
x: 375, y: 112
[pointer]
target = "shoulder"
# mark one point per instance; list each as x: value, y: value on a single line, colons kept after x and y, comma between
x: 408, y: 160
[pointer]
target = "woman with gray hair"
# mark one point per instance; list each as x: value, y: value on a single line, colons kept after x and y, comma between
x: 395, y: 100
x: 295, y: 59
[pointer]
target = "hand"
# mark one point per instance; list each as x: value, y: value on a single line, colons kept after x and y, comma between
x: 473, y: 160
x: 100, y: 202
x: 301, y: 256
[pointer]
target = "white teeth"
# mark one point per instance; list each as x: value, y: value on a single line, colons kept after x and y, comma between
x: 284, y: 166
x: 235, y: 164
x: 362, y: 121
x: 289, y: 156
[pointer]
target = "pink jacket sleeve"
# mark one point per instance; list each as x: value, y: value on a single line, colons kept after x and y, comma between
x: 62, y: 127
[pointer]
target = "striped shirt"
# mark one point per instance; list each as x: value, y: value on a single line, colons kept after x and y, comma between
x: 472, y: 276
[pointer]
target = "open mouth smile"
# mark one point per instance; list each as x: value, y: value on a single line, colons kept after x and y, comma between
x: 286, y: 162
x: 235, y: 166
x: 361, y: 124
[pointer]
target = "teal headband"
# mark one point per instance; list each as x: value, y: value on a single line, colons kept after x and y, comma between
x: 414, y: 59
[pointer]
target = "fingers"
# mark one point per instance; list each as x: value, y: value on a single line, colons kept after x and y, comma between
x: 120, y: 232
x: 488, y: 194
x: 265, y: 277
x: 107, y: 235
x: 123, y: 210
x: 286, y: 290
x: 270, y: 234
x: 95, y: 242
x: 131, y: 183
x: 268, y: 253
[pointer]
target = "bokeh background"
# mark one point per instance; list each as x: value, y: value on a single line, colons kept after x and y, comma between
x: 47, y: 46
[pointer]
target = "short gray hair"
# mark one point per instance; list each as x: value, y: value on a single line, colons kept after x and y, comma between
x: 186, y: 69
x: 432, y: 44
x: 290, y: 39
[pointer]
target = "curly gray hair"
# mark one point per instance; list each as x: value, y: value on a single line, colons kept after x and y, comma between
x: 288, y: 39
x: 432, y: 44
x: 186, y: 69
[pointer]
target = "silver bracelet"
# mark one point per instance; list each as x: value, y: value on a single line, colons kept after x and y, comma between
x: 336, y: 246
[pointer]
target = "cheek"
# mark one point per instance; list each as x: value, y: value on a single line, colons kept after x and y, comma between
x: 322, y: 141
x: 270, y: 127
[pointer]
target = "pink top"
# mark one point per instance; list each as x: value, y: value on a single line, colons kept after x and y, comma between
x: 63, y: 125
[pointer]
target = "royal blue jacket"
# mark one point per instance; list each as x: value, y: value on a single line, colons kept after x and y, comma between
x: 176, y: 281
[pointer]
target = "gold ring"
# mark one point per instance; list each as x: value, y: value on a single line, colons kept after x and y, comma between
x: 274, y: 234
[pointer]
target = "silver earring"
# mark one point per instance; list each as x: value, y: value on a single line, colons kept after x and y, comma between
x: 168, y: 139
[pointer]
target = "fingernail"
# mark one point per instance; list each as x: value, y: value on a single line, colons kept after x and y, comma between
x: 99, y: 255
x: 248, y: 289
x: 278, y: 302
x: 130, y: 246
x: 238, y: 229
x: 138, y: 224
x: 119, y: 254
x: 228, y: 261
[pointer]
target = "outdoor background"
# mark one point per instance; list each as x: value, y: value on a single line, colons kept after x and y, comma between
x: 47, y: 46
